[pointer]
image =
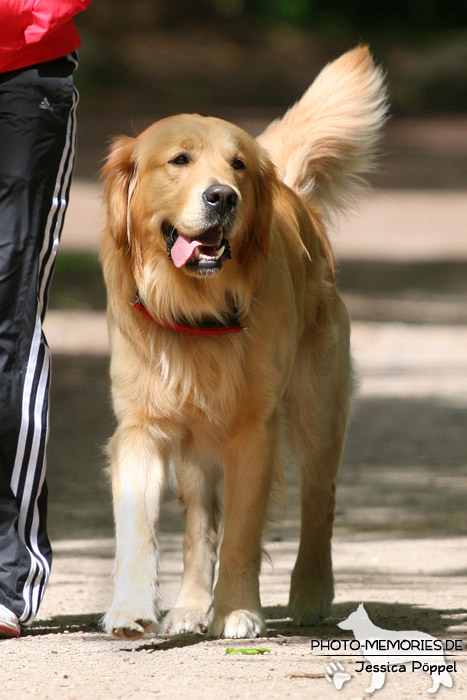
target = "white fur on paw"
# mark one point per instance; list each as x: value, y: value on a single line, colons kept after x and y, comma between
x: 239, y: 624
x: 128, y: 624
x: 310, y: 603
x: 181, y: 620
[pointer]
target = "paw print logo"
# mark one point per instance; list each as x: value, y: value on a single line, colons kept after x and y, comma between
x: 337, y: 675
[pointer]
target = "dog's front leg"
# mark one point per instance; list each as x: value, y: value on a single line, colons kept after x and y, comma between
x: 248, y: 466
x: 378, y: 679
x: 137, y: 471
x: 197, y: 486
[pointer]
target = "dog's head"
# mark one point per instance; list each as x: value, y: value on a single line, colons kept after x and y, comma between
x: 355, y: 619
x: 191, y: 191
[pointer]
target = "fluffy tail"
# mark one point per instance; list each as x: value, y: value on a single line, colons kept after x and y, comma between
x: 327, y: 140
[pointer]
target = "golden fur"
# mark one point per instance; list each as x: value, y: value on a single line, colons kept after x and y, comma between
x: 217, y: 408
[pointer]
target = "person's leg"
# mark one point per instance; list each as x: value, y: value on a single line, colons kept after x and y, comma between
x: 37, y: 145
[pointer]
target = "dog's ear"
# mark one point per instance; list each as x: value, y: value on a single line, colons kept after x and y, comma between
x: 119, y: 174
x: 266, y: 185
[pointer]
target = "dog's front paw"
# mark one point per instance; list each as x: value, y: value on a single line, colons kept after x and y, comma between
x: 310, y: 599
x: 239, y: 624
x: 181, y: 620
x: 128, y: 622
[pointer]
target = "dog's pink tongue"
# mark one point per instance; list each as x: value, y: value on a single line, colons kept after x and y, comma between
x: 182, y: 250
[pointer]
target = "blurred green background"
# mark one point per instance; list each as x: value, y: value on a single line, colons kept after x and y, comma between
x: 186, y: 54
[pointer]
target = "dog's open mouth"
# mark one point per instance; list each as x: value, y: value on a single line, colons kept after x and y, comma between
x: 203, y: 253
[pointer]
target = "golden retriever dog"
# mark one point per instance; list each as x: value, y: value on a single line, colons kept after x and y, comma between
x: 228, y: 340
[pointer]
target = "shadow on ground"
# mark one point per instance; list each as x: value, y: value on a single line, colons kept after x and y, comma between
x: 397, y: 616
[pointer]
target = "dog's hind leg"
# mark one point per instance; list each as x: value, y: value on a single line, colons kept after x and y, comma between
x: 317, y: 401
x: 439, y: 677
x: 197, y: 486
x: 138, y: 472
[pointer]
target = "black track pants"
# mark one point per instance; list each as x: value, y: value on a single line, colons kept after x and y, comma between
x: 37, y: 146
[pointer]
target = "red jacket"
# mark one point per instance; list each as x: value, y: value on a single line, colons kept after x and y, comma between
x: 35, y: 31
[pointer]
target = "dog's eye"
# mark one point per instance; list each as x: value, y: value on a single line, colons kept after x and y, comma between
x: 238, y: 164
x: 182, y: 159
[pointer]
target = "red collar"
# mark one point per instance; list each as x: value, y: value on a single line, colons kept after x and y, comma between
x: 232, y: 327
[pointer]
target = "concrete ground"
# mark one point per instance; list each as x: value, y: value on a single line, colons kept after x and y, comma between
x: 401, y: 522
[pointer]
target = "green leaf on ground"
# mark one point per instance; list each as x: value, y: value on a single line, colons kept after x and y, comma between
x: 249, y: 650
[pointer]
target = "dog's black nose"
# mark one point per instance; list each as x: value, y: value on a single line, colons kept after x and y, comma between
x: 222, y: 198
